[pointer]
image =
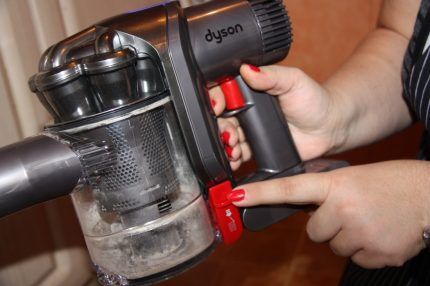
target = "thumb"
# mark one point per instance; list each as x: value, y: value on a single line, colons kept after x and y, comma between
x: 298, y: 190
x: 275, y: 80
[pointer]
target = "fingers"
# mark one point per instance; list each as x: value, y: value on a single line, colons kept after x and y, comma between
x: 217, y: 100
x: 230, y: 137
x: 236, y: 148
x: 324, y: 224
x: 345, y: 244
x: 275, y: 80
x: 299, y: 190
x: 246, y: 151
x: 365, y: 260
x: 244, y: 157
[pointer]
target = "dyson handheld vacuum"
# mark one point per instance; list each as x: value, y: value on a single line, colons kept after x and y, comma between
x: 135, y: 141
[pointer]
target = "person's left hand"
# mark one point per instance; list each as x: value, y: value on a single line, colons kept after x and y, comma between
x: 374, y: 213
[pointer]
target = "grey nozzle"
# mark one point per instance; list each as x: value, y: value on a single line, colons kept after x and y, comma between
x: 36, y: 170
x: 42, y: 168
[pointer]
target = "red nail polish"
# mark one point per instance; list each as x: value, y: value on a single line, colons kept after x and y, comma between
x: 254, y: 68
x: 213, y: 103
x: 225, y: 137
x: 228, y: 150
x: 236, y: 195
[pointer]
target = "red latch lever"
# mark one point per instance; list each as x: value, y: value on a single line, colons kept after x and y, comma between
x: 226, y: 214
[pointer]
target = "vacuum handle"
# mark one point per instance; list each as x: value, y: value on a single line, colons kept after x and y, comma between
x: 269, y: 137
x: 36, y: 170
x: 267, y: 133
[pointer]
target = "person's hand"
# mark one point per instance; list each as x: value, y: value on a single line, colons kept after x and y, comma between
x: 309, y: 108
x: 375, y: 213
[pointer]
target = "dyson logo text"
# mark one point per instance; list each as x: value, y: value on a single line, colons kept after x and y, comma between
x: 219, y: 35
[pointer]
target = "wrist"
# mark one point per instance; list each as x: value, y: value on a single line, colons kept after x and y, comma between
x: 340, y: 120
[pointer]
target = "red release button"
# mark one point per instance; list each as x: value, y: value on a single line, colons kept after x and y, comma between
x: 232, y: 94
x: 226, y: 214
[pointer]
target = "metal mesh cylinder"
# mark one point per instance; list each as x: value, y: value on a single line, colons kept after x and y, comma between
x: 143, y: 175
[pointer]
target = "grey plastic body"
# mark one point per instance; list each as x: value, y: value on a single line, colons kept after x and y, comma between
x: 214, y: 36
x: 34, y: 171
x: 225, y: 34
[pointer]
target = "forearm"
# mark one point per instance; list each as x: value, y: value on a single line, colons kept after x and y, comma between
x: 367, y: 91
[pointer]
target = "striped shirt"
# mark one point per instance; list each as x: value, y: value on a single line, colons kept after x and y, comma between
x: 416, y: 68
x: 416, y: 83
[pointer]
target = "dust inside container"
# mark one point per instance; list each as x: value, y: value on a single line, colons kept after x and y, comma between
x: 144, y: 219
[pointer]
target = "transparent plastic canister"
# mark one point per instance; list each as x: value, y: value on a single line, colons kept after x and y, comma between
x: 145, y: 214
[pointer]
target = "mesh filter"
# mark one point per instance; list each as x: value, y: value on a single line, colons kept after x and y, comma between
x: 126, y: 172
x: 144, y: 173
x: 154, y: 150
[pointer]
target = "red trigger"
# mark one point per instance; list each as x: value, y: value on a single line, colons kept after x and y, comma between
x: 232, y: 94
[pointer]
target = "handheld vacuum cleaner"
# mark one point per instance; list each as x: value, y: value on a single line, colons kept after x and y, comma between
x: 135, y: 140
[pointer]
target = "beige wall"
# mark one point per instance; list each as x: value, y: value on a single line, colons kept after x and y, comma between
x: 327, y: 31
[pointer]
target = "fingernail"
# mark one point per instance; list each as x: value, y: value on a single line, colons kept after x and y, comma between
x: 213, y: 103
x: 254, y: 68
x: 229, y: 151
x: 225, y: 137
x: 236, y: 195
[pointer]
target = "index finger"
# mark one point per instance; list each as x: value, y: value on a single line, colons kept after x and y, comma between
x: 298, y: 190
x: 217, y: 100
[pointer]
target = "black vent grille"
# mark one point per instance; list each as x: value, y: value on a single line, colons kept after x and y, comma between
x: 164, y: 205
x: 274, y: 24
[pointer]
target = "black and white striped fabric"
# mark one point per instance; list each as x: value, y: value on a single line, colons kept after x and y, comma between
x: 416, y: 71
x: 416, y: 82
x: 415, y: 272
